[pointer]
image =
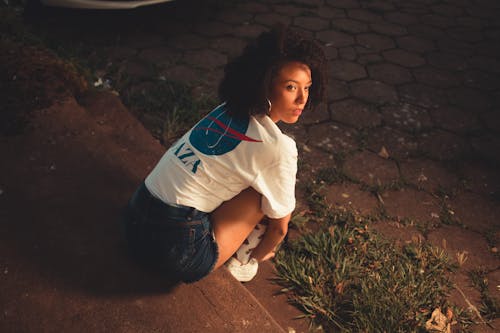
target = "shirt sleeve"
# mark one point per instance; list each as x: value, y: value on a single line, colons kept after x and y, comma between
x: 276, y: 183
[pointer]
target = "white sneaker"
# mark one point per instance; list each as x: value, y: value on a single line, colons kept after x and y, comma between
x: 242, y: 272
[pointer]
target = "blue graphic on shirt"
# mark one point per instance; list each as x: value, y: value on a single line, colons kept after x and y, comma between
x: 219, y: 133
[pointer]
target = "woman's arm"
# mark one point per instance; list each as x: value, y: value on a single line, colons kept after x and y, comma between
x: 275, y: 233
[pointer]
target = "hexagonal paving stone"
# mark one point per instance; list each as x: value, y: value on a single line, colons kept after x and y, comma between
x: 337, y: 90
x: 403, y: 58
x: 205, y: 59
x: 413, y: 204
x: 296, y: 131
x: 137, y: 70
x: 491, y: 119
x: 117, y: 53
x: 481, y: 80
x: 374, y: 91
x: 364, y: 15
x: 355, y: 113
x: 160, y: 55
x: 407, y: 117
x: 445, y: 60
x: 343, y: 3
x: 379, y: 6
x: 311, y: 23
x: 139, y: 40
x: 436, y: 20
x: 330, y: 13
x: 232, y: 16
x: 463, y: 281
x: 253, y: 7
x: 486, y: 63
x: 422, y: 95
x: 212, y: 29
x: 428, y: 175
x: 331, y: 52
x: 312, y: 159
x: 397, y: 232
x: 188, y: 41
x: 389, y: 73
x: 415, y: 44
x: 367, y: 59
x: 309, y: 3
x: 348, y: 53
x: 480, y: 177
x: 349, y: 25
x: 400, y: 18
x: 347, y: 70
x: 458, y: 240
x: 320, y: 114
x: 455, y: 119
x: 397, y: 145
x: 435, y: 77
x: 350, y: 196
x: 371, y: 169
x: 414, y: 8
x: 447, y: 10
x: 465, y: 34
x: 228, y: 45
x: 268, y: 19
x: 486, y: 146
x: 469, y: 99
x: 248, y: 30
x: 335, y: 38
x: 332, y: 137
x: 442, y: 145
x: 426, y: 31
x: 388, y: 29
x: 375, y: 42
x: 473, y: 22
x: 181, y: 73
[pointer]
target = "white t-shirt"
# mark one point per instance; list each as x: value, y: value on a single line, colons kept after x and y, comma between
x: 223, y: 155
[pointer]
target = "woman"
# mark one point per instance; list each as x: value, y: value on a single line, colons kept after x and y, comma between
x: 232, y: 169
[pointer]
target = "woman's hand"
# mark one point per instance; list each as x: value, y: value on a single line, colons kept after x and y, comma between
x: 275, y: 233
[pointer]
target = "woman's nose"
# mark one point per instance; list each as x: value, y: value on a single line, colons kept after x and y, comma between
x: 301, y: 97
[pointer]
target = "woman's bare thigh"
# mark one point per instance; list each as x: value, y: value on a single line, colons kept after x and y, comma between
x: 234, y: 220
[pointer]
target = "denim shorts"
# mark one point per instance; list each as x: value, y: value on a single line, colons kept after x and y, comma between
x: 175, y: 239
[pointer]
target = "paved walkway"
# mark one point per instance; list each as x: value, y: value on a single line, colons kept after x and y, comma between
x: 412, y: 112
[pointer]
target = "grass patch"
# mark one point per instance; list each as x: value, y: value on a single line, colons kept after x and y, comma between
x: 346, y: 278
x: 166, y: 108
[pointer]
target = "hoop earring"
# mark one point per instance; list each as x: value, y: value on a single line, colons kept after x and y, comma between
x: 270, y: 106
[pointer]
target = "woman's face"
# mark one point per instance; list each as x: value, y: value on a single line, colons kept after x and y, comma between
x: 289, y: 92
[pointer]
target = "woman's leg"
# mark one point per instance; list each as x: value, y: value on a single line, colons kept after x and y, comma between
x: 234, y: 220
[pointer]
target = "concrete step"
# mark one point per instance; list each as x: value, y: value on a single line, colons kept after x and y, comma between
x: 63, y: 264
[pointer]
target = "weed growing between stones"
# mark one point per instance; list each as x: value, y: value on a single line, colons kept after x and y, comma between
x: 347, y: 278
x: 490, y: 306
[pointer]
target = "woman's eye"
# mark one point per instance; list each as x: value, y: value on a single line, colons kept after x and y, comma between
x: 290, y: 87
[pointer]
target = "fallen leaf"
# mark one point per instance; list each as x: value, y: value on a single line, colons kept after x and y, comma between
x: 383, y: 153
x: 438, y: 322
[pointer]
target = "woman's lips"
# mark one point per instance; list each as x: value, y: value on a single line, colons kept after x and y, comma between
x: 297, y: 112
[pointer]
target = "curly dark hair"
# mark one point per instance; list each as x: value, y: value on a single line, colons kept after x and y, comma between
x: 248, y: 77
